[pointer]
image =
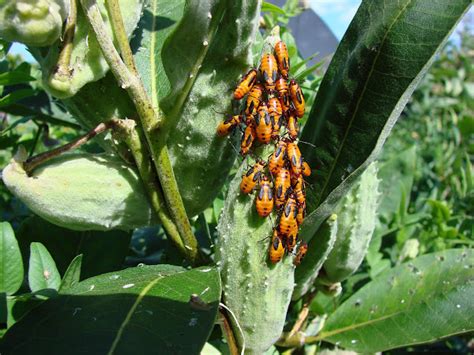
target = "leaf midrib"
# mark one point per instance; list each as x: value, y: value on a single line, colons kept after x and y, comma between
x: 359, y: 100
x: 325, y: 335
x: 130, y: 313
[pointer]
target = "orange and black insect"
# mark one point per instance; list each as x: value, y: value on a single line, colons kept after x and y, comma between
x: 245, y: 85
x: 298, y: 190
x: 292, y: 127
x: 291, y: 242
x: 264, y: 201
x: 302, y: 250
x: 254, y: 99
x: 301, y: 213
x: 247, y: 140
x: 269, y: 71
x: 288, y: 224
x: 297, y: 98
x: 305, y: 169
x: 283, y: 93
x: 277, y: 159
x: 277, y: 250
x: 281, y: 53
x: 263, y: 124
x: 294, y: 155
x: 228, y: 125
x: 250, y: 179
x: 276, y: 114
x: 282, y: 184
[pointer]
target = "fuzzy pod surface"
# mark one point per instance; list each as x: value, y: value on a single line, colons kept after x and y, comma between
x: 87, y: 63
x: 257, y: 292
x: 319, y: 248
x: 36, y: 23
x: 357, y: 214
x: 82, y: 191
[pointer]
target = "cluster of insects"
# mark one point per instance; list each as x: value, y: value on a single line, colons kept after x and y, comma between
x: 269, y: 114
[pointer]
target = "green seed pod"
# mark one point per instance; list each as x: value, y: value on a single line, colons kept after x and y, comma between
x: 82, y: 192
x: 36, y: 23
x: 86, y: 63
x: 356, y: 223
x: 257, y: 292
x: 319, y: 248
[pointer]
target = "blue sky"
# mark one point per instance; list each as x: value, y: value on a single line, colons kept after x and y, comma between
x: 336, y: 13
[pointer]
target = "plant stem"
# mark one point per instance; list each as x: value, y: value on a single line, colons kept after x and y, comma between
x: 115, y: 15
x: 31, y: 163
x: 228, y: 333
x: 62, y: 69
x: 131, y: 135
x: 150, y: 121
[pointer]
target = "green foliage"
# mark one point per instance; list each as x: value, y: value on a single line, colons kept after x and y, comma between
x: 166, y: 300
x: 65, y: 244
x: 433, y: 290
x: 189, y: 55
x: 367, y: 85
x: 42, y: 272
x: 194, y: 89
x: 11, y: 272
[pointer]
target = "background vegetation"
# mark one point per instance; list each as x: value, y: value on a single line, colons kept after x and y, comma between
x: 427, y: 181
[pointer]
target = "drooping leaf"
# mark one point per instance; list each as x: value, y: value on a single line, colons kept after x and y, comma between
x: 11, y: 264
x: 163, y: 307
x: 42, y: 271
x: 20, y: 110
x: 382, y: 57
x: 64, y: 244
x: 15, y: 96
x: 191, y: 76
x: 424, y: 300
x: 72, y: 275
x: 15, y: 77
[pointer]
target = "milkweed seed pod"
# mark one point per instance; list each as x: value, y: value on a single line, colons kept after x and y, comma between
x: 82, y: 191
x: 356, y: 223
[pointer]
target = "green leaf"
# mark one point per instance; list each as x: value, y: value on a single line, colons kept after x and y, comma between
x: 72, y: 274
x: 15, y: 96
x: 191, y: 77
x: 307, y: 272
x: 131, y: 311
x: 15, y: 77
x: 396, y: 175
x: 42, y: 271
x: 382, y: 57
x: 11, y: 265
x: 424, y: 300
x: 269, y: 7
x: 64, y: 244
x: 20, y: 110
